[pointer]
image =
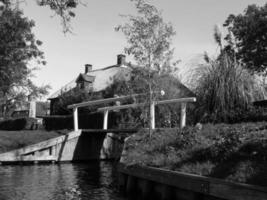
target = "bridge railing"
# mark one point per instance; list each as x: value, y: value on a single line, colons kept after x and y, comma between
x: 75, y: 107
x: 106, y: 110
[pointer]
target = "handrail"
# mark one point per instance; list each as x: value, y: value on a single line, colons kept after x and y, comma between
x: 120, y: 107
x: 108, y: 100
x: 180, y: 100
x: 183, y: 102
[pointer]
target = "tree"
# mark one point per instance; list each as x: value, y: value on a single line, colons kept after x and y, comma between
x: 18, y: 47
x: 149, y: 42
x: 248, y: 37
x: 62, y: 8
x: 149, y: 37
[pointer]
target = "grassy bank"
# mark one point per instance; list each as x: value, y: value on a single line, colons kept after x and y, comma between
x: 235, y: 152
x: 10, y: 140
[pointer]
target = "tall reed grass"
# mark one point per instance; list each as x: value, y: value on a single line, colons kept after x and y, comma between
x: 224, y: 90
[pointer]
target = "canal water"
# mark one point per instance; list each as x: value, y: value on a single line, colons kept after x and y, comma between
x: 94, y: 181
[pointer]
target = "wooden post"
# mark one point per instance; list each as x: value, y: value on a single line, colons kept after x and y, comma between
x: 75, y: 118
x: 105, y: 123
x: 32, y: 110
x: 152, y: 115
x: 183, y: 115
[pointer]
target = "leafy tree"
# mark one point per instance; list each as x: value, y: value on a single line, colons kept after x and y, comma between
x: 18, y: 47
x: 149, y: 37
x: 62, y: 8
x: 149, y: 42
x: 247, y: 37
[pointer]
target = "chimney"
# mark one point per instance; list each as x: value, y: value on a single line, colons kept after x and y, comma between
x: 88, y: 68
x: 121, y: 59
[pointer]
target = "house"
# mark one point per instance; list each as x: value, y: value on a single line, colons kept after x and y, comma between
x: 99, y: 79
x: 94, y: 80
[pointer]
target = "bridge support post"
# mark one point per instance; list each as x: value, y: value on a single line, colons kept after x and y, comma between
x: 75, y: 118
x: 152, y: 115
x: 183, y: 115
x: 105, y: 122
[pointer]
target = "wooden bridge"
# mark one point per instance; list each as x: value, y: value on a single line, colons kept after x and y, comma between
x: 182, y: 101
x: 88, y: 144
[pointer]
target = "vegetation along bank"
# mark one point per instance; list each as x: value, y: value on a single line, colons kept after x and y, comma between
x: 234, y: 152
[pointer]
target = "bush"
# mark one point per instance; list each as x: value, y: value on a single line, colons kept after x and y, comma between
x: 19, y: 124
x: 58, y: 122
x: 225, y: 90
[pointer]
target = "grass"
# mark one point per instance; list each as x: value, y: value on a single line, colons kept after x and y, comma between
x: 235, y: 152
x: 224, y: 90
x: 10, y: 140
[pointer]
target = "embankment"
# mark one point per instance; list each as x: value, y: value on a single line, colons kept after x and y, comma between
x: 216, y: 154
x: 73, y: 146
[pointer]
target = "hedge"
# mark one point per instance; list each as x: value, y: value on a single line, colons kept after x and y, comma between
x: 19, y: 124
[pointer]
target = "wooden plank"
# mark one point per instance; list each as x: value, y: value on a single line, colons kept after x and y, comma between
x: 121, y: 107
x: 39, y: 146
x: 105, y: 122
x: 237, y: 192
x: 166, y: 177
x: 180, y: 100
x: 152, y: 115
x: 205, y: 185
x: 183, y: 115
x: 75, y: 118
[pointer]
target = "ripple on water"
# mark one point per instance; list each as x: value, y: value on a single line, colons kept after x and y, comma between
x: 94, y: 181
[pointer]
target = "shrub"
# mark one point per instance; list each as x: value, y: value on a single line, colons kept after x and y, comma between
x: 19, y: 124
x: 57, y: 122
x: 225, y: 91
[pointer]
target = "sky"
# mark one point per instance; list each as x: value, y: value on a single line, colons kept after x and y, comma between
x: 94, y: 40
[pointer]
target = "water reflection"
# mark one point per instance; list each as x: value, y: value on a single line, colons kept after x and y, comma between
x: 95, y: 180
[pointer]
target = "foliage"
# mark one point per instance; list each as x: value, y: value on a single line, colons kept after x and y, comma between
x: 58, y: 122
x: 18, y: 47
x: 166, y: 115
x: 73, y: 96
x: 247, y: 37
x: 233, y: 152
x: 62, y: 8
x: 149, y: 42
x: 225, y: 90
x: 19, y: 124
x: 149, y: 37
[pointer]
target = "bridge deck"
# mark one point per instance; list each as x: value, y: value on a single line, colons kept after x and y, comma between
x: 110, y: 130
